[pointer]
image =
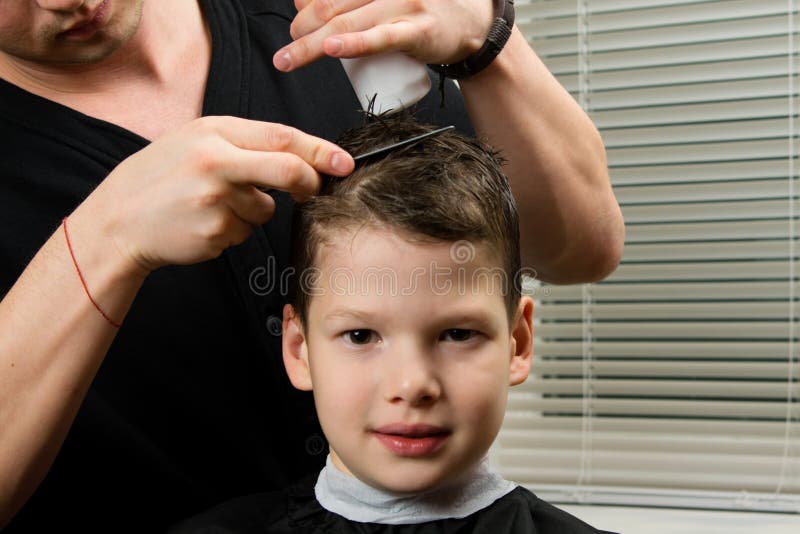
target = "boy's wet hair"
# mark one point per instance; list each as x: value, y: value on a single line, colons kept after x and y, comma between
x: 444, y: 188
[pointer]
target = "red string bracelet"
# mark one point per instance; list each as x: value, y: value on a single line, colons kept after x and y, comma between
x: 80, y: 275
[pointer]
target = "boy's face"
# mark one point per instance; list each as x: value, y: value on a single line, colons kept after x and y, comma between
x: 409, y: 352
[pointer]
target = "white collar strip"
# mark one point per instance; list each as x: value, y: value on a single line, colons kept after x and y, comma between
x: 357, y: 501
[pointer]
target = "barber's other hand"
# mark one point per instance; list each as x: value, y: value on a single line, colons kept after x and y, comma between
x: 433, y: 31
x: 196, y: 191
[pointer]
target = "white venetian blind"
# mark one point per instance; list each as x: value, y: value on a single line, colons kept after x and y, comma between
x: 675, y: 382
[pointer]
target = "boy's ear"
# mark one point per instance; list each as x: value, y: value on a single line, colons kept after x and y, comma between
x: 521, y: 342
x: 295, y: 350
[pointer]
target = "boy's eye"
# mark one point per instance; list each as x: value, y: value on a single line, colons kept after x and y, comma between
x: 359, y: 337
x: 457, y: 334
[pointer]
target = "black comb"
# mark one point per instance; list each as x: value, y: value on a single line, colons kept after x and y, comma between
x: 404, y: 142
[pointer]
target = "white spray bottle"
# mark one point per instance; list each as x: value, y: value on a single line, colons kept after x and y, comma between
x: 393, y: 79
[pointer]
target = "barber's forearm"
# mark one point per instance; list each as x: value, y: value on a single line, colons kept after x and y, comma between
x: 52, y: 341
x: 572, y: 228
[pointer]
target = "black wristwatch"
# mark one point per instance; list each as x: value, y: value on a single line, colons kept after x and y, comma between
x: 499, y: 33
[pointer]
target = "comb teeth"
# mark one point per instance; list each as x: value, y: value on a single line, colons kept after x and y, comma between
x: 404, y: 142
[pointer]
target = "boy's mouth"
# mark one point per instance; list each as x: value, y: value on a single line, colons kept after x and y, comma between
x: 412, y: 440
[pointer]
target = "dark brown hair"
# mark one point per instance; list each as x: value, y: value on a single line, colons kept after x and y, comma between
x: 444, y: 188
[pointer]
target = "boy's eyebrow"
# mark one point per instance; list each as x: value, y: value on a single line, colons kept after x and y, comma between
x: 399, y: 144
x: 343, y: 313
x: 471, y: 316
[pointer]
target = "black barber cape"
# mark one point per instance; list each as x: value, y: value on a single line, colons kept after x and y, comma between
x: 297, y: 511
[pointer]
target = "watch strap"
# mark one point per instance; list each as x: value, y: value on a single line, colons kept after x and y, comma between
x: 498, y: 35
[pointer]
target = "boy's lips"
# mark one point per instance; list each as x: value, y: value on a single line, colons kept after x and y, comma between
x: 412, y: 440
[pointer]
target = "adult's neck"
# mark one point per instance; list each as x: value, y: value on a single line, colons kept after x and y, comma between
x: 169, y: 49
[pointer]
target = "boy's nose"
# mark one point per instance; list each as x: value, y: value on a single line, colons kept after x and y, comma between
x: 413, y: 380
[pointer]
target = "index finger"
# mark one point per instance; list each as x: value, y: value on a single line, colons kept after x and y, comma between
x: 314, y: 14
x: 314, y: 25
x: 325, y: 157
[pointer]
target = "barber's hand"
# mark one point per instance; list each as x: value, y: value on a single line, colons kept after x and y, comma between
x: 433, y: 31
x: 194, y: 192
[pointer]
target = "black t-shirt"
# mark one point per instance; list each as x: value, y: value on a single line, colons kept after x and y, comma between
x: 297, y: 511
x: 191, y: 405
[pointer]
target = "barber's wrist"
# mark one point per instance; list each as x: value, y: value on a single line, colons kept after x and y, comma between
x: 498, y: 36
x: 94, y: 234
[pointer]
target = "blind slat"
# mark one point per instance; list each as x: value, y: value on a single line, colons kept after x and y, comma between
x: 743, y: 180
x: 641, y: 388
x: 653, y: 117
x: 673, y: 291
x: 669, y: 311
x: 649, y: 407
x: 708, y: 231
x: 675, y: 56
x: 702, y: 430
x: 669, y: 369
x: 692, y: 479
x: 550, y: 9
x: 753, y: 329
x: 723, y: 91
x: 699, y: 73
x: 678, y: 350
x: 701, y: 152
x: 551, y: 45
x: 713, y: 211
x: 659, y: 461
x: 699, y: 133
x: 659, y: 16
x: 733, y: 270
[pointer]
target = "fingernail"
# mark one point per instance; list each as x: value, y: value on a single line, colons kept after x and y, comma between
x: 283, y: 61
x: 334, y: 46
x: 341, y: 162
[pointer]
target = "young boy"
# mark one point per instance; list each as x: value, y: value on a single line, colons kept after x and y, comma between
x: 406, y: 321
